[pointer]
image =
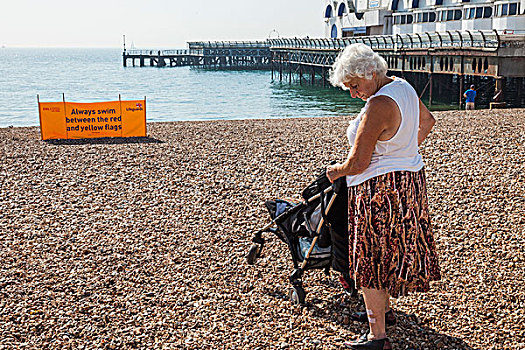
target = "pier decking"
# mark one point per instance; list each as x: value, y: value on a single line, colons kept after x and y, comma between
x: 430, y: 61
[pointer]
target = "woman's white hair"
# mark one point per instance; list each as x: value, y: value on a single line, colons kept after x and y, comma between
x: 356, y: 61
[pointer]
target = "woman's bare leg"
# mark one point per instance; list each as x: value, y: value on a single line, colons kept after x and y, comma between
x: 376, y: 301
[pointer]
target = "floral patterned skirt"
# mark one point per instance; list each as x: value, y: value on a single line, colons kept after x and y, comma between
x: 390, y: 234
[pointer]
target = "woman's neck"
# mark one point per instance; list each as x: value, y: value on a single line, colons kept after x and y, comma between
x: 382, y: 81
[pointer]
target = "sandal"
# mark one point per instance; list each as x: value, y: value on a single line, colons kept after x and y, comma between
x: 362, y: 343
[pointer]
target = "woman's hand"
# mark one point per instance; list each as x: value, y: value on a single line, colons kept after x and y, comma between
x: 333, y: 172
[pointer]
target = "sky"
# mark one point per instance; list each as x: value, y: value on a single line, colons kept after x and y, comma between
x: 154, y: 23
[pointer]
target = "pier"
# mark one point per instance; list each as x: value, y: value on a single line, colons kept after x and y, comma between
x: 440, y: 65
x: 206, y: 54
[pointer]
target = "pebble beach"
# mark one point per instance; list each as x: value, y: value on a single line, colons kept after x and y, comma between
x: 142, y: 242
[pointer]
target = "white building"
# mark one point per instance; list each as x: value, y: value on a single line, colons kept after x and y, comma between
x: 345, y: 18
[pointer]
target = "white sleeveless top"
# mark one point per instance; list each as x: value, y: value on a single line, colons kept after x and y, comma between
x: 401, y: 152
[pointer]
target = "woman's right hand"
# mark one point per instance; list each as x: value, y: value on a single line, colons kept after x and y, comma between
x: 333, y: 172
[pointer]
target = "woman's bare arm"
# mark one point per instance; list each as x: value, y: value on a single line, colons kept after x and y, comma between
x: 379, y: 117
x: 426, y: 122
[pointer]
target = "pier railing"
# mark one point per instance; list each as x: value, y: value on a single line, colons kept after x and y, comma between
x: 228, y: 44
x: 235, y: 47
x: 485, y: 40
x: 135, y: 52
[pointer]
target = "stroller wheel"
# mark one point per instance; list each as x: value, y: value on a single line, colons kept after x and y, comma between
x: 253, y: 254
x: 297, y: 295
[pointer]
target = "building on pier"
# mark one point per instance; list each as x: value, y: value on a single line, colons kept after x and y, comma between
x: 348, y: 18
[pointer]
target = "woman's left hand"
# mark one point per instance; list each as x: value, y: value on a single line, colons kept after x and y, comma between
x: 333, y: 172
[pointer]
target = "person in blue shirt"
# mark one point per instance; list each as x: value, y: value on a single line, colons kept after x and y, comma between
x: 470, y: 96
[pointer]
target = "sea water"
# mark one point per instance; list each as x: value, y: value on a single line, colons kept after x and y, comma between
x: 172, y: 93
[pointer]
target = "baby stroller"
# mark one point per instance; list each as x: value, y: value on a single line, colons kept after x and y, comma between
x: 315, y: 231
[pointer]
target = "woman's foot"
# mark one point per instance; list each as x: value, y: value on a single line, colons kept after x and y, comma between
x: 363, y: 343
x: 390, y: 318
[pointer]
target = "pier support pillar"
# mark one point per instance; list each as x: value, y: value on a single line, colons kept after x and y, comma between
x: 460, y: 78
x: 280, y: 68
x: 499, y: 84
x: 430, y: 90
x: 124, y: 60
x: 142, y: 61
x: 519, y: 83
x: 497, y: 100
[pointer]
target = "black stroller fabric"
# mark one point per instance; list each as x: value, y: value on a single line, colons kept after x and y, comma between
x: 320, y: 184
x: 300, y: 220
x: 338, y: 219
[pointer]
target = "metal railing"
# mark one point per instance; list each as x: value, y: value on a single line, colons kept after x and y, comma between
x: 135, y: 52
x: 228, y: 44
x: 488, y: 40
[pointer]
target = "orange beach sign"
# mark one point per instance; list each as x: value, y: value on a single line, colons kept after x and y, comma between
x: 73, y: 120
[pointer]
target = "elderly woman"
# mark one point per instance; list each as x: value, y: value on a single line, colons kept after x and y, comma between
x: 392, y: 250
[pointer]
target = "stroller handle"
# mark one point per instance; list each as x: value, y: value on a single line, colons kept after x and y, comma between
x: 322, y: 185
x: 325, y: 191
